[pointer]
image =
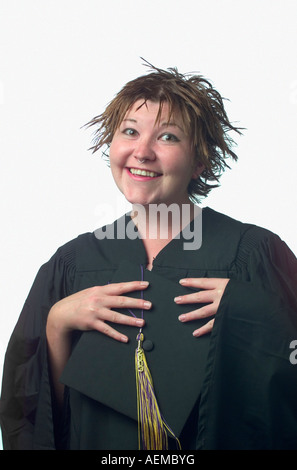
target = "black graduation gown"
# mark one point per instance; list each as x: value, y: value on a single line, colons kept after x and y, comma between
x: 239, y: 389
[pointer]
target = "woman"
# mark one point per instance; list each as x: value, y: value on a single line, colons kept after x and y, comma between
x: 69, y: 381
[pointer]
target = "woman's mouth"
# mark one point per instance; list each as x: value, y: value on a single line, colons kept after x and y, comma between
x: 137, y: 173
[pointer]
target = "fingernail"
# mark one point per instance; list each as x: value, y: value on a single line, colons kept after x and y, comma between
x: 183, y: 281
x: 139, y: 322
x: 144, y: 283
x: 147, y: 304
x: 182, y: 318
x: 196, y: 333
x: 177, y: 299
x: 124, y: 339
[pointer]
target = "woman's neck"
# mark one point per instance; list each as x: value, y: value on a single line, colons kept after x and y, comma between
x: 159, y: 221
x: 159, y: 224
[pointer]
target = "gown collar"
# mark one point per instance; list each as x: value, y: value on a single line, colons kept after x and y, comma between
x: 219, y: 244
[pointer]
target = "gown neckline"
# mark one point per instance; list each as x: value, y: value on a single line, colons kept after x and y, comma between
x: 172, y: 244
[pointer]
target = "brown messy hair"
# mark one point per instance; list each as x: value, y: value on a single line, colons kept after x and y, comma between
x: 200, y: 107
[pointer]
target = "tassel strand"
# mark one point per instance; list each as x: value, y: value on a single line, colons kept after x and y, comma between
x: 152, y: 429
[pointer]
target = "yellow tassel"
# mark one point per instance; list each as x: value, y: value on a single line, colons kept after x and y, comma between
x: 152, y: 429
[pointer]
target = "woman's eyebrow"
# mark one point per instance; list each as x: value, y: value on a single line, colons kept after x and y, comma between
x: 171, y: 124
x: 129, y: 119
x: 163, y: 124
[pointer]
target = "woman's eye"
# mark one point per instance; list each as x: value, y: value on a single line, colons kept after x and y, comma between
x: 169, y: 138
x: 129, y: 132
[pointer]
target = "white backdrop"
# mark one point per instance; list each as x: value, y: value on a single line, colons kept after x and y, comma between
x: 62, y: 61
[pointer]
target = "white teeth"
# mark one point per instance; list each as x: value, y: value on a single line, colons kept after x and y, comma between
x: 134, y: 171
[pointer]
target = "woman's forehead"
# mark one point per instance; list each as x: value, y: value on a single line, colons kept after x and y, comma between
x: 161, y: 112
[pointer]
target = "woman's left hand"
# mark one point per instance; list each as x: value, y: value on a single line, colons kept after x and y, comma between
x: 211, y: 294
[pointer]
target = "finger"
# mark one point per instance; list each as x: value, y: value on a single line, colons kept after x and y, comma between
x: 198, y: 314
x: 112, y: 316
x: 119, y: 288
x: 204, y: 296
x: 111, y: 332
x: 205, y: 329
x: 200, y: 283
x: 124, y: 302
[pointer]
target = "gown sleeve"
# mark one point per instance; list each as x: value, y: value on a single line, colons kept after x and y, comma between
x: 249, y: 400
x: 26, y: 405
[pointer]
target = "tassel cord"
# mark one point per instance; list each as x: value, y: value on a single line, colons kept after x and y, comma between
x: 152, y: 428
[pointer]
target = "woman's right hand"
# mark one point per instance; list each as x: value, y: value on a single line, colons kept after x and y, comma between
x: 90, y: 308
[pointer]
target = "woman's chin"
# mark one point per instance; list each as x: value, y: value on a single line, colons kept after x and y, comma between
x: 150, y: 199
x: 140, y: 200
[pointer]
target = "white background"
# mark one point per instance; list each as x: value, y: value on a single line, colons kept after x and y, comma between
x: 62, y: 61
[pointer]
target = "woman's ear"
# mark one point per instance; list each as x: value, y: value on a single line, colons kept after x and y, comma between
x: 198, y: 169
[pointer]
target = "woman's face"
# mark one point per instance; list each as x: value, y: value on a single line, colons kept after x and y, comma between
x: 168, y: 158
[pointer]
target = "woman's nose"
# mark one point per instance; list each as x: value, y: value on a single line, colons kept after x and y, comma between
x: 144, y: 150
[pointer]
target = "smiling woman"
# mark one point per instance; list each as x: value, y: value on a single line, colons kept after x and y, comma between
x: 128, y: 341
x: 198, y: 112
x: 167, y: 159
